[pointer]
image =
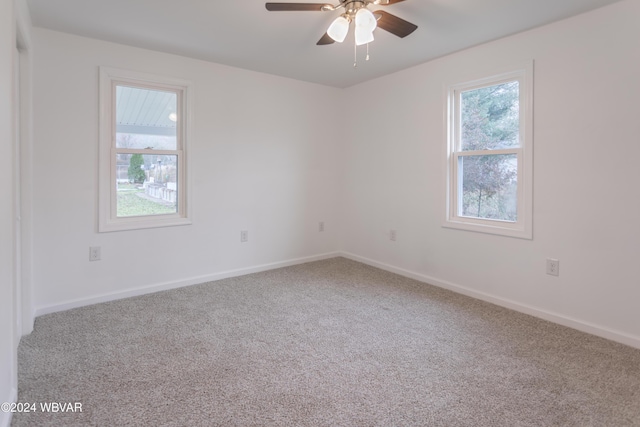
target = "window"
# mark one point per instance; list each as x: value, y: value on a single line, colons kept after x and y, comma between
x: 143, y: 140
x: 489, y: 154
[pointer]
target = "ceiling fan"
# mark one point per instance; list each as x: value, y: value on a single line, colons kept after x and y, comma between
x: 354, y: 11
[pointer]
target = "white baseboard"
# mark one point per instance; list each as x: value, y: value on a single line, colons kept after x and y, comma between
x: 580, y: 325
x: 5, y: 417
x: 81, y: 302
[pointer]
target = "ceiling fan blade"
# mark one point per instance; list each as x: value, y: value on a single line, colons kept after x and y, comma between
x: 395, y: 25
x: 325, y: 40
x: 280, y: 7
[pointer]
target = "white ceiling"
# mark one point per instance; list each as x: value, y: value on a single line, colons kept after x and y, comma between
x: 242, y: 33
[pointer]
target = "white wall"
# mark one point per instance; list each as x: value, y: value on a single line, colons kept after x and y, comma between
x: 8, y: 364
x: 586, y: 203
x: 262, y: 160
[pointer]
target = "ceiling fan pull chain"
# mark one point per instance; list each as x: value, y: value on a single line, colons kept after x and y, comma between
x: 355, y: 55
x: 367, y: 58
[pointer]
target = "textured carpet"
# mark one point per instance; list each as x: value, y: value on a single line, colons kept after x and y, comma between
x: 329, y: 343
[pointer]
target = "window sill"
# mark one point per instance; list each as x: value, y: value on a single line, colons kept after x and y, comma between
x: 500, y: 228
x: 135, y: 223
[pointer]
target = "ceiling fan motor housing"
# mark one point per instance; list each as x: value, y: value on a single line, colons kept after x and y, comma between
x: 351, y: 7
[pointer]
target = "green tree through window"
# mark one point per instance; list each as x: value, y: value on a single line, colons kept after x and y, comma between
x: 136, y: 173
x: 489, y: 121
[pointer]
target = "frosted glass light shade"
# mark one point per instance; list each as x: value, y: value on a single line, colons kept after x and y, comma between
x: 366, y: 20
x: 363, y: 36
x: 338, y: 29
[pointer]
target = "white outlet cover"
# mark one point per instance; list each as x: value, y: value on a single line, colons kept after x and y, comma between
x: 94, y: 253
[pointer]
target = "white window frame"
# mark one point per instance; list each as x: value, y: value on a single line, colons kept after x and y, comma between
x: 523, y: 226
x: 107, y: 219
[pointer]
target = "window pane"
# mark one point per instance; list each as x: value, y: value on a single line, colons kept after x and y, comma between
x: 490, y: 117
x: 146, y: 118
x: 147, y: 184
x: 489, y: 186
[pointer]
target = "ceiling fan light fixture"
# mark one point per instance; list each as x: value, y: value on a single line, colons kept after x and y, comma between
x: 366, y: 20
x: 338, y: 29
x: 363, y: 36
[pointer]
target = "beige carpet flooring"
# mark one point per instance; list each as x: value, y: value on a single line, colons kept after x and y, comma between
x: 328, y: 343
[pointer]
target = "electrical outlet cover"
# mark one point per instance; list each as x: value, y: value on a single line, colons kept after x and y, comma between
x: 553, y: 267
x: 94, y: 253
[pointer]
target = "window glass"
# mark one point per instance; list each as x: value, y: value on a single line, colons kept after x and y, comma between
x: 150, y: 187
x: 489, y: 186
x: 146, y: 118
x: 490, y: 117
